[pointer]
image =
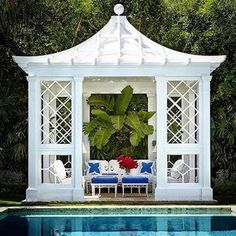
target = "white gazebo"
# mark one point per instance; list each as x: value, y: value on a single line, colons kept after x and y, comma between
x: 178, y: 89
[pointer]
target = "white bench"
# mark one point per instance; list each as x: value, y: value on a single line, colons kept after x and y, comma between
x: 104, y: 182
x: 135, y: 182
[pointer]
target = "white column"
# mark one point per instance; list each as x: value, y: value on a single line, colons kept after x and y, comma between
x: 77, y: 124
x: 86, y: 118
x: 46, y: 162
x: 33, y: 137
x: 161, y: 124
x: 152, y: 121
x: 205, y: 139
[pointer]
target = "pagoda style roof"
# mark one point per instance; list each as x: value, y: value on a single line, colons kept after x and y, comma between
x: 118, y: 42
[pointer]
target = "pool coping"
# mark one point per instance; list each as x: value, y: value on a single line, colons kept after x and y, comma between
x: 171, y: 209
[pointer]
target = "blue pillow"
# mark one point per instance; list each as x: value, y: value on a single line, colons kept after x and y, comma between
x: 93, y: 168
x: 146, y: 168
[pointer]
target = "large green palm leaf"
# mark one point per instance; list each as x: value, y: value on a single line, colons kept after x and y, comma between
x: 145, y: 115
x: 101, y: 114
x: 89, y: 127
x: 117, y: 121
x: 139, y: 128
x: 133, y: 121
x: 135, y: 138
x: 123, y: 100
x: 102, y: 136
x: 147, y: 129
x: 102, y: 101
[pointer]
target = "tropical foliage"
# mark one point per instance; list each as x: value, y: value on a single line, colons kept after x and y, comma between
x: 30, y: 27
x: 113, y: 119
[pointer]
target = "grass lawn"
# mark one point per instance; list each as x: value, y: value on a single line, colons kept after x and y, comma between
x: 17, y: 201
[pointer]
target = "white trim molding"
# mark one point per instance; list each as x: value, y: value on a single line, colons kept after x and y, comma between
x: 77, y: 121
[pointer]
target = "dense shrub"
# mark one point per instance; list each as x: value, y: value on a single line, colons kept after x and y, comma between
x: 227, y: 188
x: 224, y: 183
x: 12, y: 183
x: 8, y: 176
x: 12, y: 189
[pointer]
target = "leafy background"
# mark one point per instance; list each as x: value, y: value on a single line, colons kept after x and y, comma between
x: 35, y: 27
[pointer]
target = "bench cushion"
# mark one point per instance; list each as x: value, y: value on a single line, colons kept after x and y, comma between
x: 135, y: 180
x: 104, y: 180
x: 109, y: 174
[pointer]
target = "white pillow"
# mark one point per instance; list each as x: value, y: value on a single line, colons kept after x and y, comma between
x: 104, y: 166
x: 114, y: 167
x: 59, y: 170
x: 177, y: 169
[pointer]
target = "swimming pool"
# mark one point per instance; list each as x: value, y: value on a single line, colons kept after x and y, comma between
x: 40, y: 223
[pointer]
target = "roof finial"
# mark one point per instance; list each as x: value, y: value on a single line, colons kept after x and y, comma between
x: 118, y: 9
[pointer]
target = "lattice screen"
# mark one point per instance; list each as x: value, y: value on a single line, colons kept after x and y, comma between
x: 183, y: 168
x: 56, y: 112
x: 182, y: 111
x: 56, y: 169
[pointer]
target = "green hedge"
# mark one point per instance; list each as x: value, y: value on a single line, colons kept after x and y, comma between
x: 13, y: 188
x: 227, y: 188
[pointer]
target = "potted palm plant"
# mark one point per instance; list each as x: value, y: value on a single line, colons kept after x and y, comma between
x: 112, y: 117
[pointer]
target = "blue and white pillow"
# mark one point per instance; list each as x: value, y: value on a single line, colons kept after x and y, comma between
x: 146, y: 168
x: 93, y: 168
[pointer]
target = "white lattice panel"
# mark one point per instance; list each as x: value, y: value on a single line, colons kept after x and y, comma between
x: 56, y: 112
x: 182, y: 111
x: 183, y: 168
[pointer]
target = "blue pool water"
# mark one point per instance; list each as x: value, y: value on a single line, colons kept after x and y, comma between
x: 180, y: 225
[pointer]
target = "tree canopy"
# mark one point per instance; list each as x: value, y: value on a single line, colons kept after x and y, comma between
x: 30, y: 27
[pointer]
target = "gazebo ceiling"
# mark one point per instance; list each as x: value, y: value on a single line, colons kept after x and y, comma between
x: 118, y: 42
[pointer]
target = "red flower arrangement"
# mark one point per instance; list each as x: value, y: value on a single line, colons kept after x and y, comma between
x: 127, y: 162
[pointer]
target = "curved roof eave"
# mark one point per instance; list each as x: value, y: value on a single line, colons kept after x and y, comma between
x: 119, y: 42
